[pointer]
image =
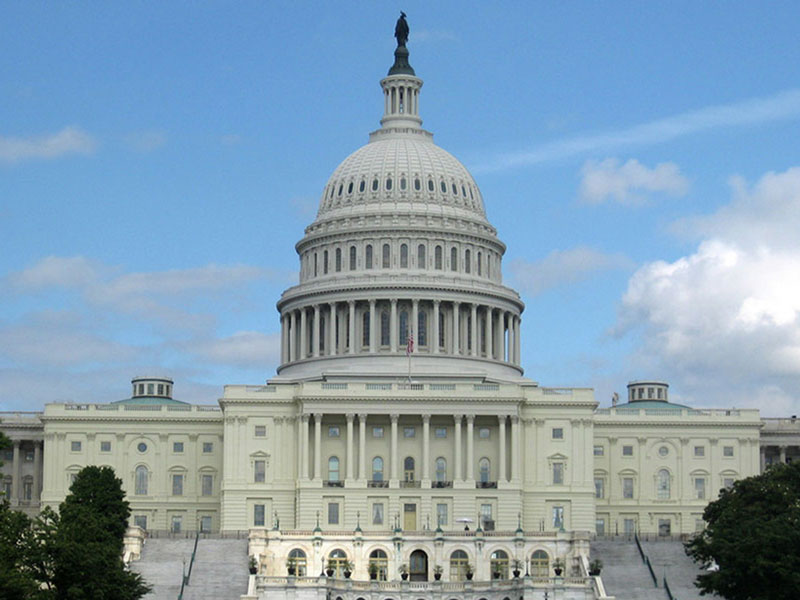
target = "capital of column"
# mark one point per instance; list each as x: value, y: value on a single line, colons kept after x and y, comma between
x: 470, y: 419
x: 394, y: 417
x: 362, y: 417
x: 349, y: 417
x: 502, y: 419
x: 514, y: 419
x: 458, y: 418
x: 318, y: 417
x: 426, y: 418
x: 305, y: 417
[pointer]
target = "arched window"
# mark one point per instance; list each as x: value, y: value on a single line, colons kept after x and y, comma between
x: 485, y: 470
x: 333, y: 468
x: 368, y: 257
x: 387, y: 256
x: 402, y: 337
x: 437, y: 260
x: 322, y: 336
x: 402, y: 183
x: 338, y: 260
x: 499, y: 564
x: 316, y: 261
x: 662, y: 484
x: 142, y: 475
x: 421, y: 257
x: 458, y: 565
x: 417, y: 184
x: 365, y: 330
x: 375, y: 185
x: 422, y: 328
x: 403, y: 256
x: 377, y: 469
x: 337, y: 560
x: 441, y: 328
x: 478, y: 263
x: 325, y: 262
x: 489, y: 266
x: 388, y: 184
x: 540, y: 564
x: 385, y: 329
x: 352, y: 258
x: 362, y: 186
x: 441, y: 470
x: 297, y: 558
x: 408, y: 468
x: 430, y: 185
x: 349, y: 188
x: 379, y: 565
x: 467, y: 261
x: 453, y: 259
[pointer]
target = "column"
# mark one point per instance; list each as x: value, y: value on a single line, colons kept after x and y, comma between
x: 517, y: 330
x: 474, y: 333
x: 349, y: 456
x: 489, y: 339
x: 37, y: 470
x: 303, y: 334
x: 393, y: 327
x: 762, y: 452
x: 362, y: 446
x: 457, y: 475
x: 372, y: 332
x: 16, y: 475
x: 293, y: 337
x: 351, y: 327
x: 456, y: 331
x: 305, y: 443
x: 332, y: 330
x: 470, y: 447
x: 783, y: 454
x: 284, y: 339
x: 498, y: 338
x: 434, y: 334
x: 393, y: 457
x: 315, y: 332
x: 415, y: 323
x: 426, y: 447
x: 515, y: 446
x: 317, y: 446
x: 511, y: 335
x: 501, y: 421
x: 300, y: 448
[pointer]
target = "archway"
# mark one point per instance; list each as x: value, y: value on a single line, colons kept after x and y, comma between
x: 418, y: 566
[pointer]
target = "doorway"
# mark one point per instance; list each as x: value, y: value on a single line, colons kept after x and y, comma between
x: 418, y: 566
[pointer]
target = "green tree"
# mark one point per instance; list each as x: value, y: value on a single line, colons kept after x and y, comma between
x: 752, y: 535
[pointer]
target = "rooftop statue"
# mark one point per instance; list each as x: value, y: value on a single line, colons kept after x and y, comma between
x: 401, y: 30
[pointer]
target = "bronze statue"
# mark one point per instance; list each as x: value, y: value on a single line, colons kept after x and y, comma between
x: 401, y: 30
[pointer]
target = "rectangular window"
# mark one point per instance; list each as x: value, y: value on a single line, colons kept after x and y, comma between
x: 75, y: 446
x: 599, y: 487
x: 160, y: 389
x: 105, y: 446
x: 208, y: 447
x: 177, y: 484
x: 258, y: 515
x: 207, y: 485
x: 700, y: 488
x: 558, y: 517
x: 600, y: 527
x: 333, y: 513
x: 727, y: 451
x: 333, y: 431
x: 177, y: 447
x: 558, y: 433
x: 259, y: 471
x: 440, y: 432
x: 558, y: 473
x: 484, y: 433
x: 140, y: 521
x: 176, y: 524
x: 627, y: 451
x: 441, y: 514
x: 377, y: 513
x: 599, y: 451
x: 627, y: 487
x: 260, y: 431
x: 699, y: 525
x: 29, y: 456
x: 664, y: 527
x: 629, y: 526
x: 727, y: 483
x: 487, y: 522
x: 699, y: 451
x: 377, y: 432
x: 205, y: 524
x: 409, y: 432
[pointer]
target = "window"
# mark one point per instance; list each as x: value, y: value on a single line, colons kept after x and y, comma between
x: 421, y: 264
x: 453, y: 259
x: 377, y: 469
x: 467, y: 261
x: 458, y: 565
x: 207, y: 484
x: 333, y: 468
x: 487, y: 522
x: 402, y: 331
x: 627, y: 451
x: 105, y: 446
x: 379, y: 564
x: 478, y: 263
x: 441, y: 514
x: 325, y: 262
x: 408, y: 468
x: 599, y: 487
x: 600, y: 527
x: 333, y: 513
x: 499, y: 564
x: 440, y: 432
x: 259, y: 471
x: 417, y: 184
x: 333, y: 431
x: 368, y: 257
x: 385, y: 329
x: 599, y: 451
x: 700, y: 488
x: 699, y: 524
x: 374, y: 185
x: 258, y: 515
x: 558, y: 517
x: 727, y: 483
x: 177, y: 484
x: 627, y: 487
x: 441, y: 469
x: 205, y: 524
x: 27, y: 489
x: 377, y: 432
x: 663, y: 485
x: 558, y: 472
x: 140, y: 521
x: 298, y: 558
x: 177, y: 447
x: 176, y: 524
x: 558, y: 433
x: 29, y: 456
x: 261, y: 431
x: 75, y: 446
x: 365, y: 339
x: 141, y: 447
x: 484, y: 467
x: 208, y: 447
x: 151, y: 389
x: 663, y: 451
x: 403, y: 256
x: 377, y: 513
x: 727, y: 451
x: 437, y: 258
x: 387, y: 256
x: 338, y: 260
x: 699, y: 451
x: 422, y: 329
x: 160, y: 389
x: 352, y: 258
x: 664, y: 527
x: 629, y: 526
x: 140, y: 484
x: 540, y: 564
x: 409, y: 432
x: 484, y: 433
x: 389, y: 179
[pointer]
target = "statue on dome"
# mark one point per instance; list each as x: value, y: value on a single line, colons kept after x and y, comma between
x: 401, y: 30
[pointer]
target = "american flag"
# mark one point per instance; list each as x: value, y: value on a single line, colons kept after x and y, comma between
x: 410, y: 345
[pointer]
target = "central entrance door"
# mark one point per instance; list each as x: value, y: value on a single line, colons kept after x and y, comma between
x: 418, y: 566
x: 409, y: 517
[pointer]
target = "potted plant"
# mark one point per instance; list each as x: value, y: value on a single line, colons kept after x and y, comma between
x: 595, y: 567
x: 404, y: 571
x: 348, y: 569
x: 291, y: 565
x: 517, y: 564
x: 437, y: 572
x: 373, y: 571
x: 558, y: 567
x: 469, y: 572
x: 328, y: 570
x: 253, y: 565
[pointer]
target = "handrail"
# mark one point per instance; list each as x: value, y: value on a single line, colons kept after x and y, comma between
x: 638, y: 545
x: 652, y: 574
x: 669, y: 591
x: 185, y: 576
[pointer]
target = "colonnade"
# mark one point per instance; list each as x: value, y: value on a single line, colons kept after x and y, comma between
x: 383, y: 326
x: 18, y: 494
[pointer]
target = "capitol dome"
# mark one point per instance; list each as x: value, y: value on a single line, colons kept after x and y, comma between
x: 400, y: 272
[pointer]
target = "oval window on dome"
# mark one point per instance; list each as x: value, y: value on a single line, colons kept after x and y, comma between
x: 375, y: 185
x: 362, y: 186
x: 417, y: 184
x: 331, y: 194
x: 463, y: 191
x: 402, y: 183
x: 430, y: 185
x: 388, y: 183
x: 341, y: 188
x: 470, y: 193
x: 455, y: 190
x: 350, y: 188
x: 444, y: 187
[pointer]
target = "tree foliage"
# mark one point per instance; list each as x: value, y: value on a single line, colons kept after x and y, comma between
x: 752, y: 535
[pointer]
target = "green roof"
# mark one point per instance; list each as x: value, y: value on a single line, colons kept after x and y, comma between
x: 651, y: 404
x: 149, y: 400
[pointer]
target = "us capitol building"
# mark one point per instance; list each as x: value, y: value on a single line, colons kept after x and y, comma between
x: 399, y: 429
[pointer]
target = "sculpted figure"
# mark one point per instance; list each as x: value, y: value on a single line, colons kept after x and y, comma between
x: 401, y: 30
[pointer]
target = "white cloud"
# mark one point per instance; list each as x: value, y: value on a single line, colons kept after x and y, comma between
x: 731, y: 310
x: 783, y: 105
x: 630, y: 182
x: 146, y: 141
x: 562, y: 267
x: 58, y: 271
x: 244, y: 348
x: 70, y: 140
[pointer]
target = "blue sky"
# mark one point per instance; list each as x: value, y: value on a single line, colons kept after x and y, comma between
x: 158, y: 162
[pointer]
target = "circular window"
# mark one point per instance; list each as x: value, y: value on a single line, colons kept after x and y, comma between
x: 142, y: 447
x: 663, y: 451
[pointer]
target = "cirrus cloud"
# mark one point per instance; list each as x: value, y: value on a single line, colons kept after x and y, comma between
x: 70, y: 140
x: 630, y: 182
